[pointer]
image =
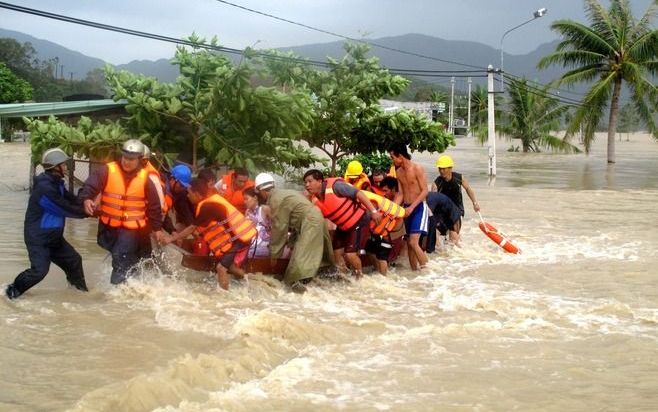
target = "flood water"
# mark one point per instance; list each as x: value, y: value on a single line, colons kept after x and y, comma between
x: 570, y: 324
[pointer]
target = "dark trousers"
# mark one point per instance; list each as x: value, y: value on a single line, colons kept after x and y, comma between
x: 60, y: 253
x: 127, y: 247
x: 430, y: 238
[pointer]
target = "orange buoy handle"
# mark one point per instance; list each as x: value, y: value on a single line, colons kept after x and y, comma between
x: 502, y: 241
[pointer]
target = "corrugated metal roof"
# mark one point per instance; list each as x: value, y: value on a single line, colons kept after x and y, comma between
x: 57, y: 108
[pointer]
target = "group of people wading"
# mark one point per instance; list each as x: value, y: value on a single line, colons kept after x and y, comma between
x: 336, y: 222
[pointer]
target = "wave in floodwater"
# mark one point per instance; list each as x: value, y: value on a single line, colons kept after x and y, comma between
x: 569, y: 324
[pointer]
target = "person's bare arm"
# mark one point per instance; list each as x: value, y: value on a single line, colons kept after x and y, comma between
x: 179, y: 235
x: 374, y: 213
x: 471, y: 194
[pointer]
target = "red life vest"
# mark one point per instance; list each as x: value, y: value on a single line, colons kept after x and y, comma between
x: 234, y: 196
x: 123, y: 206
x: 342, y: 211
x: 220, y: 235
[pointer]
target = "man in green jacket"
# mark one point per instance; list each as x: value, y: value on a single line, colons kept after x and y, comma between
x: 292, y: 211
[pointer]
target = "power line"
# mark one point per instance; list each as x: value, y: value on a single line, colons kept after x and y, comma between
x: 147, y: 35
x: 266, y: 55
x: 541, y: 84
x: 342, y: 36
x: 556, y: 95
x: 399, y: 71
x: 306, y: 26
x: 539, y: 92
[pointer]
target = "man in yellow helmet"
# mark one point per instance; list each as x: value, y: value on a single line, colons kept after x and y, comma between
x: 450, y: 184
x: 354, y: 175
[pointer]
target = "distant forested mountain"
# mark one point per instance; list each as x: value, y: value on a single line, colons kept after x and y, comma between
x: 470, y: 53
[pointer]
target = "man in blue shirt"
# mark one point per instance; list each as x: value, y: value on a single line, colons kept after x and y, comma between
x: 49, y: 205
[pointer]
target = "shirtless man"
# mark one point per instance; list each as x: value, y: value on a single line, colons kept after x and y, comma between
x: 413, y: 191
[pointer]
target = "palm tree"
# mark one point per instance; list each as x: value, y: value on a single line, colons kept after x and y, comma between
x: 479, y: 105
x: 531, y: 117
x: 615, y: 48
x: 479, y: 112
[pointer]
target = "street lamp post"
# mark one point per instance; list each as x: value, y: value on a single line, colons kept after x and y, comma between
x: 535, y: 15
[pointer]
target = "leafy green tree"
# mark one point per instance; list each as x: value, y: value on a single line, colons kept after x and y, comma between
x: 371, y: 162
x: 18, y: 57
x: 93, y: 83
x: 480, y: 113
x: 615, y: 48
x: 532, y: 116
x: 92, y: 140
x: 348, y: 118
x: 430, y: 94
x: 22, y: 60
x: 214, y: 107
x: 379, y: 132
x: 12, y: 88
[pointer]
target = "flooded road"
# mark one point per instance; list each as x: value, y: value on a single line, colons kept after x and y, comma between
x: 570, y: 324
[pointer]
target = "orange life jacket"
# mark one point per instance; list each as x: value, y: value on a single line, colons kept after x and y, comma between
x: 391, y: 212
x: 342, y: 211
x: 123, y: 206
x: 235, y: 197
x: 361, y: 183
x: 165, y: 201
x: 220, y: 235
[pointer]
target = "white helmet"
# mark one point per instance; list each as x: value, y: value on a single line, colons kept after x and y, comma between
x: 53, y: 157
x: 264, y: 181
x: 133, y: 147
x: 147, y: 152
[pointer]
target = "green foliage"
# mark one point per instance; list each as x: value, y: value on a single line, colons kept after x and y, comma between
x: 347, y: 116
x: 214, y: 108
x: 42, y: 75
x: 615, y: 48
x: 371, y: 162
x: 387, y: 128
x: 431, y: 94
x: 532, y: 116
x: 13, y: 89
x: 480, y: 113
x: 85, y: 139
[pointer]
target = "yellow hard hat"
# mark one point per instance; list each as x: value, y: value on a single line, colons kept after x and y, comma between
x: 354, y: 169
x: 444, y: 161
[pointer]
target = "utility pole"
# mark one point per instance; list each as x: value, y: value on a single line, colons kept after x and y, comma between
x: 451, y: 114
x: 71, y: 76
x: 56, y: 67
x: 491, y: 123
x: 61, y: 76
x: 468, y: 124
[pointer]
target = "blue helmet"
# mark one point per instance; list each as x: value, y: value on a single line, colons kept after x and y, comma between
x: 183, y: 174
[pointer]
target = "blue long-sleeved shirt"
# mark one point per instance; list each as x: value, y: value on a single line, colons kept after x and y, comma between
x: 48, y: 207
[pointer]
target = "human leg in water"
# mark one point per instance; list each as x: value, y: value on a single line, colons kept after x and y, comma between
x: 70, y: 262
x: 125, y: 254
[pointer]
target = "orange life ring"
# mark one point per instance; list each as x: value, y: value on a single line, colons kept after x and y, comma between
x: 498, y: 237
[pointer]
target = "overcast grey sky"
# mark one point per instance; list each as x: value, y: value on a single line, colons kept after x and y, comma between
x: 476, y: 20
